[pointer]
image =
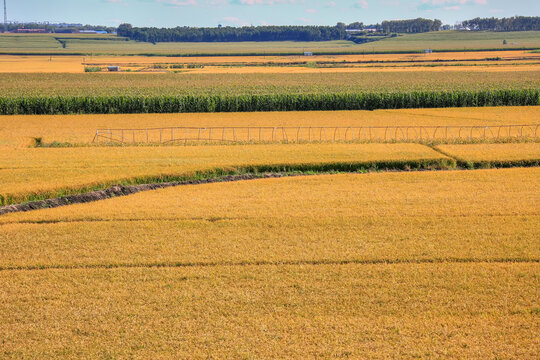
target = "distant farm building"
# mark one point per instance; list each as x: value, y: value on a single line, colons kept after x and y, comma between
x: 428, y: 51
x: 308, y: 53
x: 113, y: 68
x: 93, y: 32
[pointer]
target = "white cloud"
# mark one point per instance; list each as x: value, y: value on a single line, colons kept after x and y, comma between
x: 265, y: 2
x: 453, y: 2
x: 179, y: 2
x: 362, y: 4
x: 304, y: 20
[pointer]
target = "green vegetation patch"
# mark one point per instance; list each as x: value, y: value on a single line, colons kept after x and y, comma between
x: 251, y: 103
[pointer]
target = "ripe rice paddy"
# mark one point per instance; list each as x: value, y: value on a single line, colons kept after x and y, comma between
x: 335, y: 265
x: 468, y: 61
x: 493, y: 152
x: 412, y: 264
x: 36, y: 172
x: 268, y: 311
x: 80, y: 129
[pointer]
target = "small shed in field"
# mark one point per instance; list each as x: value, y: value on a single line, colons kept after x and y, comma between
x: 308, y: 53
x: 113, y: 68
x: 428, y: 51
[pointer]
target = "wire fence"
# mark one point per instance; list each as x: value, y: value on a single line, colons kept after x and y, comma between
x: 302, y: 134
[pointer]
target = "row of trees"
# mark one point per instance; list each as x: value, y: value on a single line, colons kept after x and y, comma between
x: 58, y: 27
x: 517, y: 23
x: 410, y: 26
x: 231, y: 34
x: 271, y: 33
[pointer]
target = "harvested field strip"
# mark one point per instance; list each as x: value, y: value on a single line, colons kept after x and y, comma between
x: 269, y: 311
x: 41, y: 173
x: 483, y: 215
x: 278, y: 102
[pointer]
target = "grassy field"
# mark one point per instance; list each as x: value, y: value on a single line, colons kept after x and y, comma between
x: 457, y: 40
x: 387, y: 265
x: 102, y: 44
x: 32, y: 173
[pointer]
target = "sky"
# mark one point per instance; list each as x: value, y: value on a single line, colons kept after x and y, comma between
x: 171, y: 13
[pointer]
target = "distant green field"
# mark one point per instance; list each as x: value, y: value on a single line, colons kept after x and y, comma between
x: 111, y: 44
x: 457, y: 40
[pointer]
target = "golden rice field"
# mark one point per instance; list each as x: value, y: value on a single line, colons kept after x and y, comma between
x: 323, y: 311
x: 472, y: 61
x: 383, y: 265
x: 380, y: 264
x: 19, y: 131
x: 53, y: 171
x: 493, y: 152
x: 444, y: 215
x: 377, y: 69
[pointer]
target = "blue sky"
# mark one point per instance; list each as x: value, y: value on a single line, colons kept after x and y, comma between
x: 170, y: 13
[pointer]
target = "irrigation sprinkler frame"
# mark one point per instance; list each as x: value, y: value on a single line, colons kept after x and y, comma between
x: 284, y: 134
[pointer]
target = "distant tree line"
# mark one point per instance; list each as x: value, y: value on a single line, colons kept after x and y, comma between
x: 270, y: 33
x: 233, y: 34
x: 410, y: 26
x: 517, y: 23
x: 59, y: 27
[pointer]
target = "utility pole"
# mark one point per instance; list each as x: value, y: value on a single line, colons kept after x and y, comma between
x: 5, y: 17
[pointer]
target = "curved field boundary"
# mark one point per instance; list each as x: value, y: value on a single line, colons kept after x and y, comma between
x: 253, y: 103
x: 125, y: 187
x: 106, y: 191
